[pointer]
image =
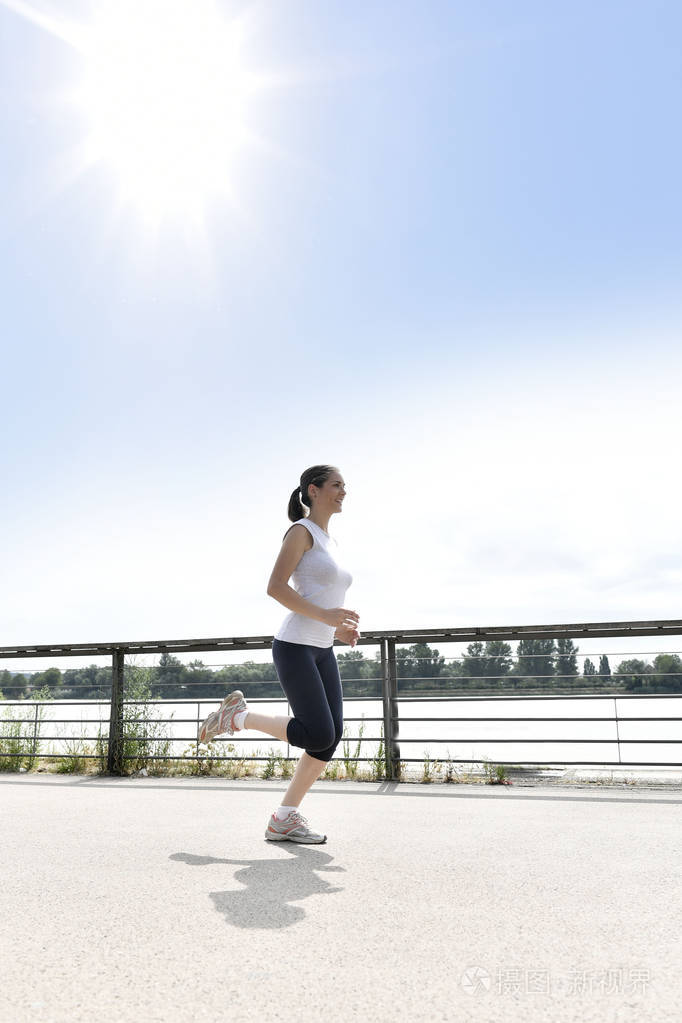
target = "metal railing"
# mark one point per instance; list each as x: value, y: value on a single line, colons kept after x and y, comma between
x: 390, y: 740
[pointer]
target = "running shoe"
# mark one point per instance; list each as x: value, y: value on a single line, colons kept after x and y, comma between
x: 294, y: 828
x: 222, y: 720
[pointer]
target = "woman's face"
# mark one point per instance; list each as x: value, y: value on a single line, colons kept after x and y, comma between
x: 331, y: 494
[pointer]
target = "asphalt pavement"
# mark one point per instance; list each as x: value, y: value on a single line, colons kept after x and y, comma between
x: 158, y: 899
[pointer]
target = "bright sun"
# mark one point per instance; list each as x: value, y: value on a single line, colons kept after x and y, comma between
x: 164, y: 95
x: 166, y: 99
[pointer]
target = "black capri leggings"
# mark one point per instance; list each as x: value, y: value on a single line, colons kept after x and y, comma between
x: 309, y: 676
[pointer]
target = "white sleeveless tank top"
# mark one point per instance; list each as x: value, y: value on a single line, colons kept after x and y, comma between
x: 319, y: 578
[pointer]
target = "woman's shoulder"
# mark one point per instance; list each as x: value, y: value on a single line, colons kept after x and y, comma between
x: 305, y: 531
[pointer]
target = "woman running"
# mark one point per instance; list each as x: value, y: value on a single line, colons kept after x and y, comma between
x: 303, y: 648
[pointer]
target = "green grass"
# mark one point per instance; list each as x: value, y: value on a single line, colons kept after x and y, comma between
x: 20, y: 738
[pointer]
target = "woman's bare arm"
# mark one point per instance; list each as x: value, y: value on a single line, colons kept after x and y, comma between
x: 295, y: 544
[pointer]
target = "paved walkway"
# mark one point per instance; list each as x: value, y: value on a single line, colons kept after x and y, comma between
x: 148, y: 899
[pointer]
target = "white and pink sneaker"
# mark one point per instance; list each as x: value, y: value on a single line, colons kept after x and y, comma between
x: 294, y: 828
x: 222, y: 720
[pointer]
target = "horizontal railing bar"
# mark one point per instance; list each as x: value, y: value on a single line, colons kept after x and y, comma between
x: 25, y: 739
x: 468, y: 656
x: 551, y: 763
x: 424, y: 720
x: 99, y: 756
x: 509, y: 677
x: 65, y: 687
x: 573, y: 630
x: 131, y: 703
x: 420, y: 696
x: 59, y: 703
x: 462, y: 720
x: 377, y: 738
x: 510, y: 684
x: 54, y: 756
x: 132, y: 756
x: 28, y: 740
x: 533, y: 696
x: 371, y: 760
x: 419, y: 701
x: 416, y: 698
x: 47, y: 723
x: 457, y: 694
x: 524, y: 740
x: 554, y: 655
x: 445, y: 698
x: 79, y: 721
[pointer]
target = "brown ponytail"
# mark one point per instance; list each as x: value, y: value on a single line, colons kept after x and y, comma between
x: 300, y: 503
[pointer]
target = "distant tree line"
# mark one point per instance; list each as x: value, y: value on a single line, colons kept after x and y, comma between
x: 539, y: 665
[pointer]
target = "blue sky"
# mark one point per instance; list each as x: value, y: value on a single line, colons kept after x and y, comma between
x: 450, y: 266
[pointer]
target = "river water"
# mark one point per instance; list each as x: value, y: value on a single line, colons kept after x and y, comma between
x: 451, y: 732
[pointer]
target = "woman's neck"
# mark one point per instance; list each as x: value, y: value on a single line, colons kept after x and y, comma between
x: 322, y: 525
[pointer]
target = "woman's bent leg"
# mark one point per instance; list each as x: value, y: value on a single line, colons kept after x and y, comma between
x: 271, y: 724
x: 312, y: 728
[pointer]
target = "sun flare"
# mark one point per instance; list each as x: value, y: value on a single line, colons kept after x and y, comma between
x: 162, y: 95
x: 165, y: 96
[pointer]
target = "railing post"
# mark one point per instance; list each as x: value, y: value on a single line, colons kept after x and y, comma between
x: 389, y: 687
x: 115, y: 749
x: 35, y: 735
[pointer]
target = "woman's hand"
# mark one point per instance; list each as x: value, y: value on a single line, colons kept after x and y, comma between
x: 347, y: 634
x: 338, y: 616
